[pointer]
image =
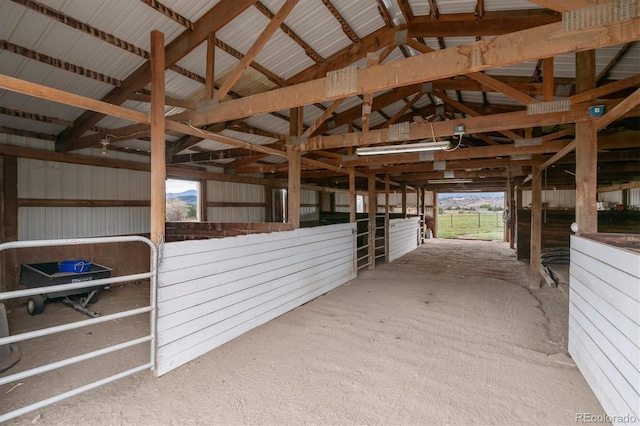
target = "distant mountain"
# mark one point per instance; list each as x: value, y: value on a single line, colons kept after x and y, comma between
x: 190, y: 197
x: 466, y: 201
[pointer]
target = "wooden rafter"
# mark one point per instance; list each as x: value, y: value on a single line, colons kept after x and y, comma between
x: 214, y: 19
x: 36, y: 117
x: 295, y: 37
x: 434, y: 12
x: 469, y: 111
x: 27, y: 133
x: 58, y: 63
x: 346, y: 28
x: 404, y: 109
x: 264, y: 37
x: 384, y: 14
x: 405, y: 8
x: 480, y: 9
x: 273, y: 77
x: 604, y: 74
x: 101, y: 35
x: 618, y: 111
x: 492, y: 23
x: 210, y: 84
x: 506, y: 121
x: 170, y: 13
x: 566, y: 6
x: 324, y: 117
x: 436, y: 65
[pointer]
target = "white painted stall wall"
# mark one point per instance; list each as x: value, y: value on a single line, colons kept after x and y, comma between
x: 211, y: 291
x: 604, y: 324
x: 238, y: 193
x: 62, y: 181
x: 403, y: 236
x: 309, y: 213
x: 634, y: 197
x: 558, y: 198
x: 342, y: 202
x: 614, y: 197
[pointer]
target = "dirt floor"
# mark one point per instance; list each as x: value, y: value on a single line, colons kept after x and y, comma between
x: 448, y: 334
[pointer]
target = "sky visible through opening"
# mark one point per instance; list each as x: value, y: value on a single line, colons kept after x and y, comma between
x: 176, y: 186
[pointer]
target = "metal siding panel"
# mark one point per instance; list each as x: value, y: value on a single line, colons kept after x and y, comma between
x: 420, y: 7
x: 493, y: 5
x: 628, y: 65
x: 98, y: 183
x: 456, y: 6
x: 634, y: 197
x: 363, y: 17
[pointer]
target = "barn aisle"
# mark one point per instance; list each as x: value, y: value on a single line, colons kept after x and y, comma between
x: 447, y: 334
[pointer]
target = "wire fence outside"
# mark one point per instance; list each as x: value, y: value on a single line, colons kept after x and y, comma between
x: 483, y: 226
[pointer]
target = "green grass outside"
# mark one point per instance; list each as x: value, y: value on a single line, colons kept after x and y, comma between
x: 486, y: 226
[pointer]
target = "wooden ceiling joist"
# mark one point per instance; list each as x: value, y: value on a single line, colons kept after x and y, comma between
x: 35, y: 117
x: 218, y: 16
x: 295, y: 37
x: 170, y: 13
x: 346, y: 28
x: 58, y: 63
x: 431, y: 66
x: 253, y: 51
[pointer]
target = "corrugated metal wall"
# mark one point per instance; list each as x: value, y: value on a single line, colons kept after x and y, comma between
x: 309, y: 213
x: 61, y: 181
x: 604, y: 324
x: 238, y: 193
x: 554, y: 198
x: 634, y: 197
x: 212, y: 291
x: 611, y: 197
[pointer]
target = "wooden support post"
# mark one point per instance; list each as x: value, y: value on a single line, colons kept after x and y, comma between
x: 268, y: 203
x: 387, y: 185
x: 293, y: 192
x: 373, y: 207
x: 352, y: 191
x: 404, y: 200
x: 203, y: 201
x: 507, y: 203
x: 158, y: 161
x: 586, y: 151
x: 8, y: 220
x: 211, y: 62
x: 512, y: 216
x: 518, y: 206
x: 548, y: 88
x: 435, y: 214
x: 536, y: 227
x: 625, y: 199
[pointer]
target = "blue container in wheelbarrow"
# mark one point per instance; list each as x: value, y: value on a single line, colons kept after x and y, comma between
x: 74, y: 265
x: 35, y: 275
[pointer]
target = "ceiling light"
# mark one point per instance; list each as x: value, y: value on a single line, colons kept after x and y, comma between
x: 396, y: 149
x: 437, y: 181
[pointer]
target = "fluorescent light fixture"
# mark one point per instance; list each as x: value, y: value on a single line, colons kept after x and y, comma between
x: 437, y: 181
x: 397, y: 149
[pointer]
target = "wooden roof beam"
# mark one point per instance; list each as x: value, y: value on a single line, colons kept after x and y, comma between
x: 169, y: 13
x: 253, y: 51
x: 346, y: 28
x: 498, y: 122
x: 566, y: 6
x: 36, y: 117
x: 58, y: 63
x: 218, y: 16
x: 295, y: 37
x: 465, y: 59
x: 405, y: 8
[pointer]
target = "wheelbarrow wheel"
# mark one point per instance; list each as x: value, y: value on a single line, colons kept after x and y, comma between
x: 35, y: 305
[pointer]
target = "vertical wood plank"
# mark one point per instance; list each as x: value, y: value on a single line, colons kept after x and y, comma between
x: 293, y: 191
x: 387, y: 186
x: 404, y: 200
x: 352, y: 190
x: 548, y: 88
x: 536, y: 227
x: 373, y: 206
x: 586, y: 151
x: 435, y: 214
x: 158, y: 165
x: 203, y: 200
x: 512, y: 216
x: 211, y: 62
x: 9, y: 225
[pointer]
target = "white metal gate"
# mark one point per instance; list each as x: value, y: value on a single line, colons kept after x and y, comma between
x: 149, y: 339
